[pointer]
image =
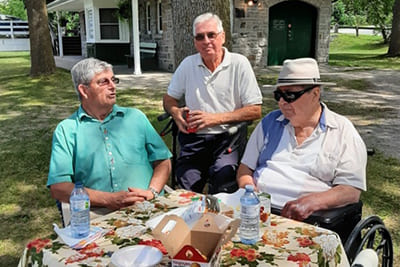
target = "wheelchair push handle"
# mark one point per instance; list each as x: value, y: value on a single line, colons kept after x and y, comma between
x: 163, y: 116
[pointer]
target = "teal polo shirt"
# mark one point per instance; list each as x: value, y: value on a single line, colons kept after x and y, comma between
x: 109, y: 156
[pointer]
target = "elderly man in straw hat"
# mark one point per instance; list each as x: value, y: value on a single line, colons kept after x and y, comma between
x: 306, y: 156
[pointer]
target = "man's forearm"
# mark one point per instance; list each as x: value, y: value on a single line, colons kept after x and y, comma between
x: 162, y: 170
x: 247, y: 113
x: 244, y: 176
x: 170, y: 104
x: 62, y: 192
x: 337, y: 196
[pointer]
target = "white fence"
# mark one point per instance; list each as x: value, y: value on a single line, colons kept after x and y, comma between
x: 14, y: 35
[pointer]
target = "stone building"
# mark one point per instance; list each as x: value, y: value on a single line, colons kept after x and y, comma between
x: 266, y: 31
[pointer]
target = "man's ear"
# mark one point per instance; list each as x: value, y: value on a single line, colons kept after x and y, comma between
x: 317, y: 92
x: 83, y: 91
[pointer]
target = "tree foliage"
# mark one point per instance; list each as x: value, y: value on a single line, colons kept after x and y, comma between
x: 14, y: 8
x: 364, y: 12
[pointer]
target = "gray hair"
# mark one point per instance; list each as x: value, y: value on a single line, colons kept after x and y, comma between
x: 84, y: 71
x: 205, y: 17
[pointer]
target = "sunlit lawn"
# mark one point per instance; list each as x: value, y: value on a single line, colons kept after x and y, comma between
x: 31, y: 108
x: 364, y: 51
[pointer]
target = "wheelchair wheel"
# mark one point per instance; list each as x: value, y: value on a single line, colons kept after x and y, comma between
x: 371, y: 233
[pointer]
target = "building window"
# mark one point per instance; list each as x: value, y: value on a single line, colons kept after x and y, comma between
x: 148, y: 18
x: 159, y: 17
x: 109, y: 24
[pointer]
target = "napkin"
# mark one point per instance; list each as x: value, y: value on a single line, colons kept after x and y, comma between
x: 232, y: 200
x: 152, y: 223
x: 78, y: 243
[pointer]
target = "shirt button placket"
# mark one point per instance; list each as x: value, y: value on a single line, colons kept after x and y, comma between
x: 110, y: 158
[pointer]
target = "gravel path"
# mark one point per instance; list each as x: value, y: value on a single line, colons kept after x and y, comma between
x: 380, y: 133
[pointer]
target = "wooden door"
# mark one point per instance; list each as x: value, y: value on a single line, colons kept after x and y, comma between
x: 292, y: 27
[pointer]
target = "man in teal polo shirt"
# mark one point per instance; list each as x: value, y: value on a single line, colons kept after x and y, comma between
x: 113, y: 150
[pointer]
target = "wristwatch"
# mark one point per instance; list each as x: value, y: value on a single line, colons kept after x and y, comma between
x: 154, y: 191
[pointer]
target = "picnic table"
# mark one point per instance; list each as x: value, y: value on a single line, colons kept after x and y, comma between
x: 284, y: 242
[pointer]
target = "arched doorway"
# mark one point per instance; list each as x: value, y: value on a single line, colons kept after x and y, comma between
x: 292, y: 27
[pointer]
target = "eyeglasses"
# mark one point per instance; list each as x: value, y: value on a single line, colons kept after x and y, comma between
x: 106, y: 81
x: 210, y: 35
x: 291, y: 96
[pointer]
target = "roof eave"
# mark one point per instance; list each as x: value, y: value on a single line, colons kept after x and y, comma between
x: 65, y: 5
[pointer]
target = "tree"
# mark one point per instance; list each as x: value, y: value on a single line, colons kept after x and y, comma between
x: 355, y: 13
x: 359, y: 12
x: 394, y: 45
x: 14, y: 8
x: 379, y: 13
x: 42, y: 60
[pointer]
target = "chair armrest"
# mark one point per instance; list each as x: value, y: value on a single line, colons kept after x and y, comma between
x: 333, y: 215
x: 329, y: 216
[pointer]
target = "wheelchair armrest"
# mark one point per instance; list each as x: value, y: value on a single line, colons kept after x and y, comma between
x: 333, y: 215
x: 329, y: 216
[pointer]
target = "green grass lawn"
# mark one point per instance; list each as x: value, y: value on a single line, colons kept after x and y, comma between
x: 364, y: 51
x: 31, y: 108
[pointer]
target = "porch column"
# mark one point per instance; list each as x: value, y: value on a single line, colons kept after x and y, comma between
x: 60, y: 43
x: 136, y: 37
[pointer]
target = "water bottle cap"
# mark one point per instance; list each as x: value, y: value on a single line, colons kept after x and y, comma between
x: 249, y: 187
x: 78, y: 184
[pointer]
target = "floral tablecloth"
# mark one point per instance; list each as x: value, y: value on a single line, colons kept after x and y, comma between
x: 284, y: 243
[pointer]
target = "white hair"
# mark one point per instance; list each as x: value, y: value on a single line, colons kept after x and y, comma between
x: 205, y: 17
x: 84, y: 71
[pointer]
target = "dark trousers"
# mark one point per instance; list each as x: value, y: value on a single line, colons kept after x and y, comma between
x: 204, y: 158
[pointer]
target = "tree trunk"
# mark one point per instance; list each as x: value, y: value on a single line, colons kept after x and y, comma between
x: 394, y: 45
x: 42, y: 60
x: 183, y: 14
x: 384, y: 35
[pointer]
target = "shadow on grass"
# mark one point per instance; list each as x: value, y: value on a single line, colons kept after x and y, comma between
x: 374, y: 61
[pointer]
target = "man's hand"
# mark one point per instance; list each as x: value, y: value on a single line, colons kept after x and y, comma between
x: 300, y: 208
x: 200, y: 119
x: 145, y: 194
x: 178, y: 114
x: 121, y: 199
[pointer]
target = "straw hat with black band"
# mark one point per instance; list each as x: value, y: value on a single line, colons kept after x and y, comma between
x: 300, y: 71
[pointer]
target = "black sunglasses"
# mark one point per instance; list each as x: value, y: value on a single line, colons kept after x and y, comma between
x: 202, y: 36
x: 291, y: 96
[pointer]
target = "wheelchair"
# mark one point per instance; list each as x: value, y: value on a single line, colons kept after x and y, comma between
x: 357, y: 234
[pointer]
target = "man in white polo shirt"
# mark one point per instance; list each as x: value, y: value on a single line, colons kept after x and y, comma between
x: 220, y: 91
x: 306, y: 156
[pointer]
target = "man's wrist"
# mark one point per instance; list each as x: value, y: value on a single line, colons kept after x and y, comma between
x: 154, y: 192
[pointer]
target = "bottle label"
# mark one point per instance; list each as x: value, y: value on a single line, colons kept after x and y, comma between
x: 80, y: 205
x: 250, y: 211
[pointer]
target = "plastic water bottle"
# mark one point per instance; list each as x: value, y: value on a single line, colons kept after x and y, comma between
x: 80, y: 211
x: 249, y: 231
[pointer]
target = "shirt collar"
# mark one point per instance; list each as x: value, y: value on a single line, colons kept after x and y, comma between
x: 116, y: 111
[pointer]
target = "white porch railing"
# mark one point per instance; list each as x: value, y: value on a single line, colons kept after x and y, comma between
x: 14, y: 35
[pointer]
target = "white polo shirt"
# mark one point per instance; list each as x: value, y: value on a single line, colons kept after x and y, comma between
x: 326, y: 158
x: 231, y: 86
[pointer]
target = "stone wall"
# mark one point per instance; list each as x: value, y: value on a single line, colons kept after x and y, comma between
x: 250, y: 30
x: 250, y: 26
